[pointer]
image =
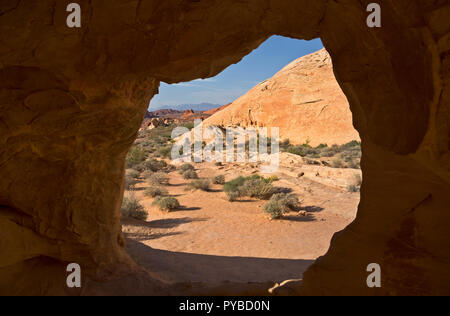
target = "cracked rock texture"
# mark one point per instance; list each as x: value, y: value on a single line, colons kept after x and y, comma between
x: 72, y: 100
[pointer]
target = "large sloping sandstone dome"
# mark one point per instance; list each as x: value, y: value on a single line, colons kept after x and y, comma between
x: 73, y: 100
x: 304, y: 100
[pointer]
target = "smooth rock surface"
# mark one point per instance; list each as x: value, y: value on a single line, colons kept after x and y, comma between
x: 303, y: 100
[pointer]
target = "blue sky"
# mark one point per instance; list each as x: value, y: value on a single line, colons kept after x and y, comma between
x: 236, y: 80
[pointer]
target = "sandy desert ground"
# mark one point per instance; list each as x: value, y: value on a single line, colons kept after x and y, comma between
x: 212, y: 240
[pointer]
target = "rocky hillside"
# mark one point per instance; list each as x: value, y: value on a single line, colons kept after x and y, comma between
x: 304, y: 100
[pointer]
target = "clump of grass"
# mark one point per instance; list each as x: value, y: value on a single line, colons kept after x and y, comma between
x: 190, y: 175
x: 135, y: 156
x: 281, y: 204
x: 218, y: 179
x: 272, y: 179
x: 254, y: 187
x: 155, y: 191
x: 168, y: 204
x: 155, y: 165
x: 346, y: 155
x: 147, y: 174
x: 233, y: 196
x: 165, y: 152
x: 158, y: 178
x: 233, y: 185
x: 338, y: 163
x: 186, y: 167
x: 202, y: 184
x: 131, y: 208
x: 130, y: 182
x: 257, y: 188
x: 289, y: 202
x: 132, y: 173
x: 274, y: 209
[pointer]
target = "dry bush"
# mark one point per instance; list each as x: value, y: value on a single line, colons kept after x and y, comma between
x: 156, y: 191
x: 167, y: 203
x: 158, y: 178
x: 219, y: 180
x: 130, y: 182
x: 257, y: 188
x: 190, y: 175
x: 132, y: 208
x: 274, y: 209
x: 202, y: 184
x: 186, y: 167
x: 233, y: 196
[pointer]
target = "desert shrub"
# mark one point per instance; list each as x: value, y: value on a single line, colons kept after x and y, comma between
x: 233, y: 185
x: 274, y: 209
x: 352, y: 144
x: 158, y: 178
x: 135, y: 156
x: 352, y: 157
x: 202, y: 184
x: 350, y: 153
x: 155, y: 165
x: 166, y: 203
x: 272, y: 179
x: 285, y: 144
x: 147, y: 174
x: 289, y: 202
x: 219, y: 179
x: 170, y: 168
x: 233, y: 195
x: 295, y: 150
x: 190, y: 175
x: 329, y: 151
x: 132, y: 173
x: 218, y: 164
x: 132, y: 208
x: 257, y: 188
x: 186, y: 167
x: 139, y: 167
x: 338, y: 163
x: 155, y: 191
x: 165, y: 152
x: 130, y: 182
x: 254, y: 186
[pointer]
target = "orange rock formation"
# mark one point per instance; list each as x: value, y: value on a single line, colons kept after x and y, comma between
x: 304, y: 100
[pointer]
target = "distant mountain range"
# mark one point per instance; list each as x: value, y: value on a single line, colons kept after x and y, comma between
x: 183, y: 107
x: 185, y: 115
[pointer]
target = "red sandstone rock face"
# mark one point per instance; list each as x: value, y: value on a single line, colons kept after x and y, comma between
x: 303, y: 100
x: 72, y: 101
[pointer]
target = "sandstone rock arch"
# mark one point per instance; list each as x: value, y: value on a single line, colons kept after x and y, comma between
x: 72, y: 101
